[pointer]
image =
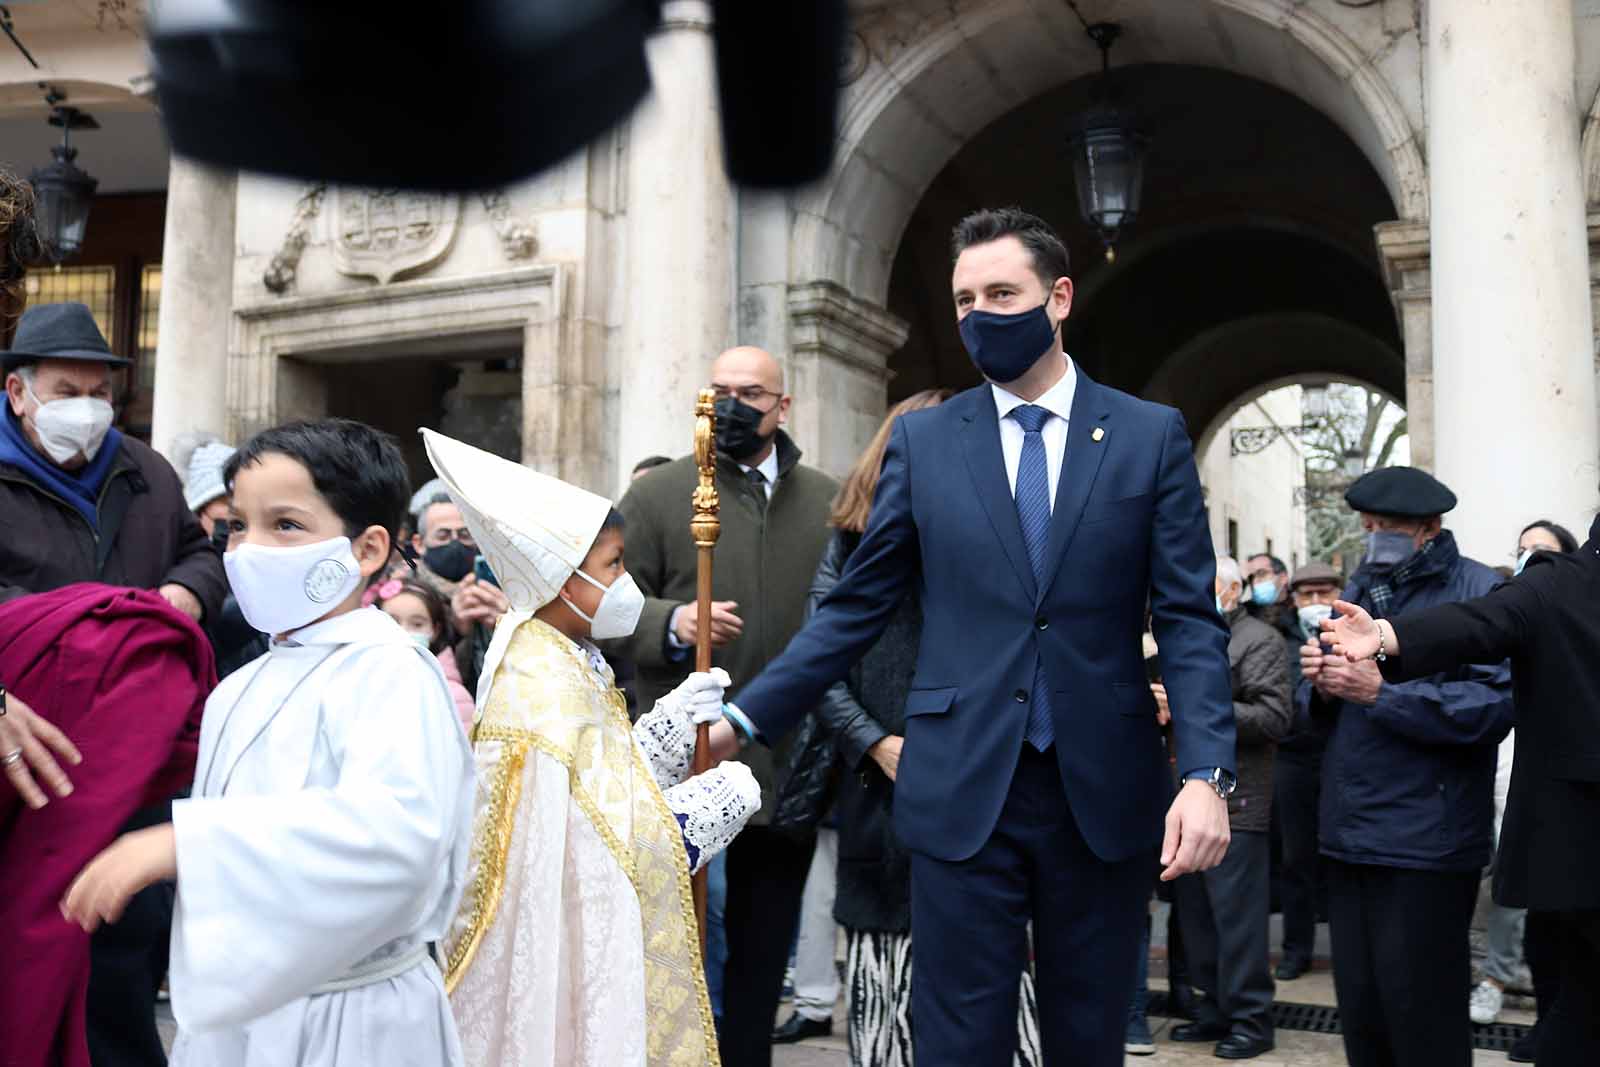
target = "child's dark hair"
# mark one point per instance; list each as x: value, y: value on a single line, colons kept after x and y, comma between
x: 444, y: 634
x: 614, y: 521
x: 357, y: 469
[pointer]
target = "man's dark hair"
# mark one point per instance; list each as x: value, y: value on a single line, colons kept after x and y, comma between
x: 1278, y: 566
x: 357, y: 469
x: 433, y: 501
x: 650, y: 463
x: 990, y: 224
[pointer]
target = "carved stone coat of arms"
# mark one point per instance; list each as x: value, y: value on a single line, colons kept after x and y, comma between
x: 384, y: 233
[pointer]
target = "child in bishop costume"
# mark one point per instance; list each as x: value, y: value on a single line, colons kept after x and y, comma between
x: 325, y: 845
x: 576, y: 943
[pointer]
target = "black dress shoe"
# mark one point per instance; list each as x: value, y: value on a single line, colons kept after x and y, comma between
x: 1240, y: 1047
x: 1523, y: 1048
x: 1290, y: 968
x: 797, y: 1028
x: 1198, y: 1032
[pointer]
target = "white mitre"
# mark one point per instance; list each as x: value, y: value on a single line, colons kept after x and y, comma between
x: 535, y: 530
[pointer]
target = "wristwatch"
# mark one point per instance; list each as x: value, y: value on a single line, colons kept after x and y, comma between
x: 1224, y: 782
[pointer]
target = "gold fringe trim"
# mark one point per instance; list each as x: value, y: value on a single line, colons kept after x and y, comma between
x: 493, y: 843
x: 537, y: 707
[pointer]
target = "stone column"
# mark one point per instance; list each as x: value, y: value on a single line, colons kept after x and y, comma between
x: 192, y: 347
x: 1403, y: 248
x: 1514, y: 387
x: 838, y: 372
x: 677, y: 293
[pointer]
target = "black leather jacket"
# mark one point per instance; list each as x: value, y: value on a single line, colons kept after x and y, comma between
x: 874, y: 889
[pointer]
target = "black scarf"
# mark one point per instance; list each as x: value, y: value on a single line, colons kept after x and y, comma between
x: 1434, y: 558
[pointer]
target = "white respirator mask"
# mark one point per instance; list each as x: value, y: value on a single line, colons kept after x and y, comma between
x: 284, y: 588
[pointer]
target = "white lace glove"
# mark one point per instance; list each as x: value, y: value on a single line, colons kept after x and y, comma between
x: 667, y: 733
x: 712, y: 808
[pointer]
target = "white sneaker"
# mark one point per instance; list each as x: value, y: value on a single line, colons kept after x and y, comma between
x: 1485, y: 1003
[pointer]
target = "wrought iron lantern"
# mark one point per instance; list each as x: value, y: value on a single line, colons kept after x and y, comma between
x: 1108, y: 154
x: 62, y: 190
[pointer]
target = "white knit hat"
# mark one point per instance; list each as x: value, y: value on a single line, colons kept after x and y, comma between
x: 433, y: 487
x: 535, y: 530
x: 204, y: 483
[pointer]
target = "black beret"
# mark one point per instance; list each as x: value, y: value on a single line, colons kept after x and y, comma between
x: 1404, y: 492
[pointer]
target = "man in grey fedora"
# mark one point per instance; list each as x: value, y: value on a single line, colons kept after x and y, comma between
x: 80, y: 502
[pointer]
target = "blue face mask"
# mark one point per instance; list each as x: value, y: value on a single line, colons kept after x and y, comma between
x: 1005, y: 346
x: 1522, y: 560
x: 1263, y: 594
x: 1385, y: 548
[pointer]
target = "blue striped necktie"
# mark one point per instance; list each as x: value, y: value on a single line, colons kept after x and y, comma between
x: 1033, y: 511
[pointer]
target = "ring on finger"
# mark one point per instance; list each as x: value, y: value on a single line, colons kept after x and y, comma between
x: 14, y: 756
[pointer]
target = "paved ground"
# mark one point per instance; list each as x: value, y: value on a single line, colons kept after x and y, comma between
x: 1295, y: 1049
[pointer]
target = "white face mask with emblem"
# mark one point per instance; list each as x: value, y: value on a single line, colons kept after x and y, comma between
x: 284, y: 588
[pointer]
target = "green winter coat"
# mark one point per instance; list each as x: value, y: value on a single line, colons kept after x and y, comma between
x: 765, y: 561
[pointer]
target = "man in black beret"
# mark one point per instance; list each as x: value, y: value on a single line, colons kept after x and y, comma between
x: 1407, y: 805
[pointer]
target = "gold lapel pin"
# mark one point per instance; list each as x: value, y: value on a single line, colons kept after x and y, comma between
x: 1098, y: 435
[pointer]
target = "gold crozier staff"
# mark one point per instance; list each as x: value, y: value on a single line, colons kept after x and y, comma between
x: 705, y: 526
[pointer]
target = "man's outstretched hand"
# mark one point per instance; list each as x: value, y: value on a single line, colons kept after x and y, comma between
x: 1197, y: 831
x: 34, y: 746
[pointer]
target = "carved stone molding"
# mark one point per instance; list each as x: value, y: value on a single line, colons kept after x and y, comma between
x: 824, y: 318
x: 839, y: 349
x: 518, y: 239
x: 385, y: 233
x: 278, y: 344
x: 280, y: 273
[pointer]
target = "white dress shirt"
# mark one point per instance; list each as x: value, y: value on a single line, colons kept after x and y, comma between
x: 1058, y: 401
x: 769, y: 470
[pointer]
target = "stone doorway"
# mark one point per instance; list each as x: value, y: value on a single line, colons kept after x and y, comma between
x: 475, y: 399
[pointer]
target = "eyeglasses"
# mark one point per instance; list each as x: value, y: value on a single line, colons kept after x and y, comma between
x: 749, y: 394
x: 443, y: 535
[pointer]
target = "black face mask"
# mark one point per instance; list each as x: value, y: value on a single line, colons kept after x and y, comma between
x: 450, y: 561
x: 739, y: 433
x: 219, y: 537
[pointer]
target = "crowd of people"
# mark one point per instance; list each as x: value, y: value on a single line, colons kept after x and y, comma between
x: 415, y: 784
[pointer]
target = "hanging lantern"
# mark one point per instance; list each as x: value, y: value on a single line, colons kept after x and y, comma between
x: 1108, y: 155
x: 63, y: 191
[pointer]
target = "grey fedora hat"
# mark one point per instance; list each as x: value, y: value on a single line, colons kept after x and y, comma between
x: 59, y: 331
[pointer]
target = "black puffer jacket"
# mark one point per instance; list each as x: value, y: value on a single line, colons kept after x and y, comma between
x: 1304, y: 743
x: 874, y: 891
x: 1262, y: 702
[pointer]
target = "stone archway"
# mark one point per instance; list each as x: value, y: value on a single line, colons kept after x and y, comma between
x: 934, y: 79
x: 935, y: 75
x: 1209, y: 392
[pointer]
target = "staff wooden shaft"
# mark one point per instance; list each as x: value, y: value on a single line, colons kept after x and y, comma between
x: 704, y: 527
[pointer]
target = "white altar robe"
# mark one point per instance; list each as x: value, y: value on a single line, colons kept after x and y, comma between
x: 329, y: 830
x: 575, y: 945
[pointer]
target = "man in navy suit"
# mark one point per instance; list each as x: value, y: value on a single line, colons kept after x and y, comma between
x: 1038, y: 515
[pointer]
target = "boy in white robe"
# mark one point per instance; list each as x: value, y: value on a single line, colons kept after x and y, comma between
x: 325, y: 844
x: 576, y: 943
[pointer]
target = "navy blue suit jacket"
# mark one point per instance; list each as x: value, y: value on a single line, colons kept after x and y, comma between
x: 1128, y: 526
